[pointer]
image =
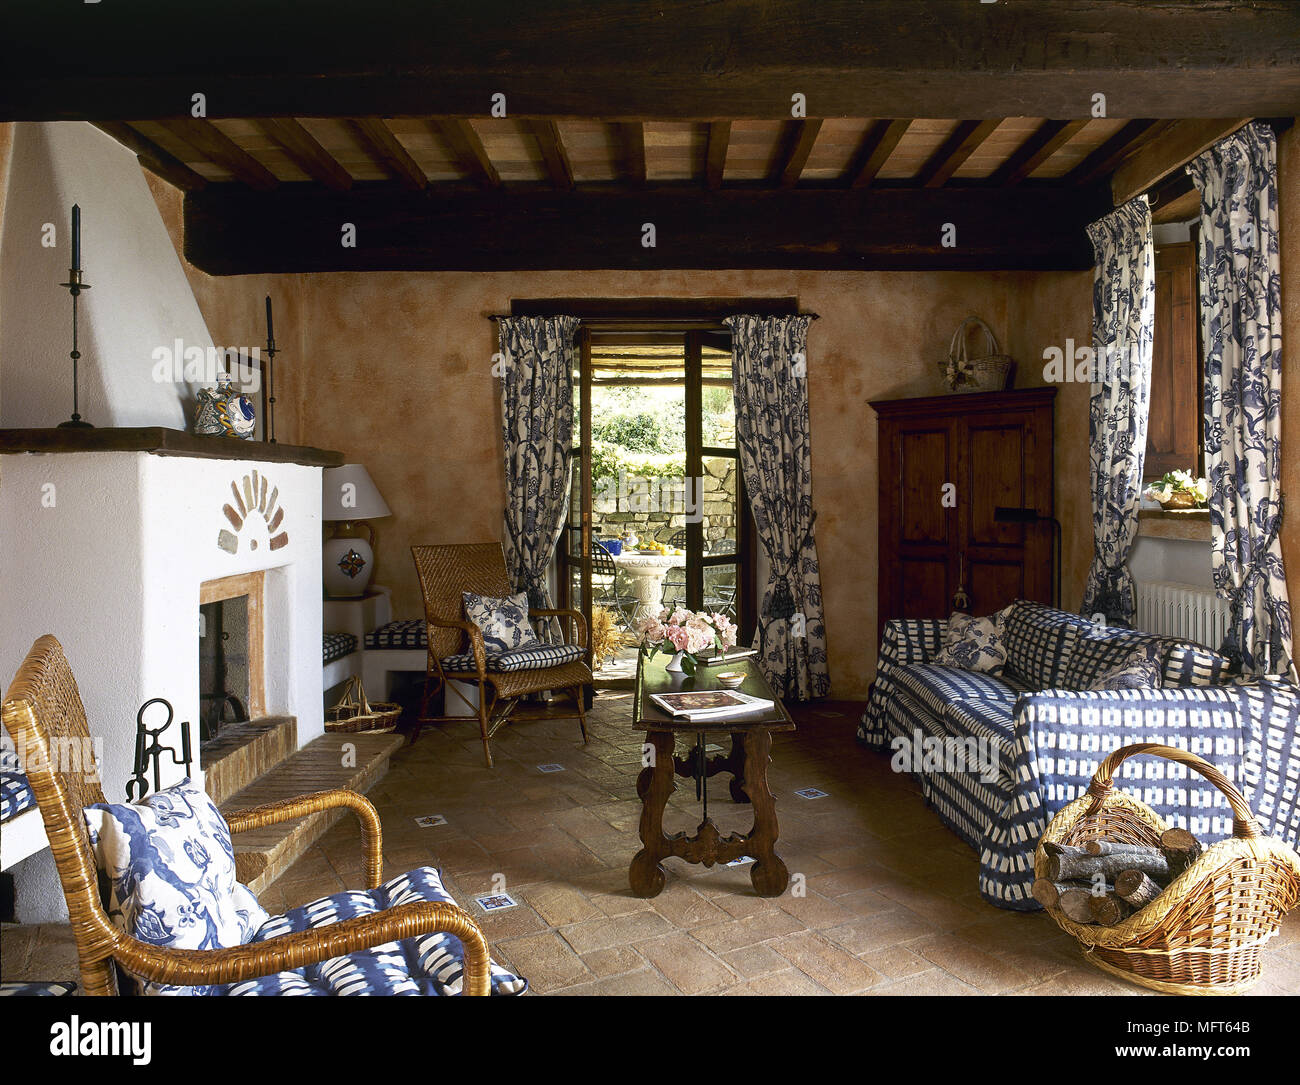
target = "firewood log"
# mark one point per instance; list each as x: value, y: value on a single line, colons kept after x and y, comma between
x: 1111, y: 847
x: 1048, y: 893
x: 1136, y: 888
x: 1064, y: 868
x: 1181, y: 848
x: 1062, y: 849
x: 1109, y: 909
x: 1074, y: 904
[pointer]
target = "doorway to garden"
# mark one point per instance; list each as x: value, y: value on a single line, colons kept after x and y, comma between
x: 658, y: 513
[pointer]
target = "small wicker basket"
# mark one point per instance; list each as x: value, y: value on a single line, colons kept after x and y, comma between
x: 355, y: 713
x: 1204, y: 933
x: 989, y: 372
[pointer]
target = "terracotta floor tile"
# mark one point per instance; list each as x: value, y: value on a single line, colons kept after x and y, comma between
x: 686, y: 964
x: 830, y: 965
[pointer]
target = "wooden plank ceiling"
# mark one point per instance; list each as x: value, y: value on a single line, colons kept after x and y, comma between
x: 424, y: 152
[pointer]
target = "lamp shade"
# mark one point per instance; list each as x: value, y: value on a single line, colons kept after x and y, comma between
x: 348, y: 493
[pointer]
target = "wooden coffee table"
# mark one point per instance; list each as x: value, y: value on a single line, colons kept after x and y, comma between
x: 751, y: 746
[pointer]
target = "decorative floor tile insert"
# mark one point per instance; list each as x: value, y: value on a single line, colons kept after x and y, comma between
x: 496, y: 902
x: 811, y: 793
x: 552, y: 767
x: 430, y: 820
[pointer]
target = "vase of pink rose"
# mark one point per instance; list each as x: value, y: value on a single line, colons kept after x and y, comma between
x: 683, y: 635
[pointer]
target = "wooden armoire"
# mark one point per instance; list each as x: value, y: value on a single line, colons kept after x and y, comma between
x: 946, y: 463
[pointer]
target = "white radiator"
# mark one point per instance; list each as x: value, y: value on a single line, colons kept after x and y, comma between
x: 1182, y: 610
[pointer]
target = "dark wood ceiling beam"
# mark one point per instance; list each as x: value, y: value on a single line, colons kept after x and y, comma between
x: 217, y: 147
x: 306, y: 153
x: 716, y: 164
x: 798, y: 147
x: 877, y: 145
x: 626, y: 60
x: 152, y: 157
x: 378, y: 139
x: 1048, y: 138
x: 1163, y: 154
x: 558, y: 168
x: 232, y: 230
x: 467, y: 150
x: 1111, y: 153
x: 954, y: 151
x: 631, y: 138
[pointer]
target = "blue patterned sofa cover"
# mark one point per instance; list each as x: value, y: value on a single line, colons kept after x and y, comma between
x: 998, y: 757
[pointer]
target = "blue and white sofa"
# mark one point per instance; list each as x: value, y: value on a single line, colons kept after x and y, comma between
x: 1042, y: 732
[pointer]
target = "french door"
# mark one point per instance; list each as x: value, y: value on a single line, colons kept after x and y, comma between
x: 691, y: 497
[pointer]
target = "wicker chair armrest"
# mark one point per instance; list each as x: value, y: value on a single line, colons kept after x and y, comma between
x: 256, y: 817
x: 579, y: 622
x: 470, y: 630
x: 194, y: 967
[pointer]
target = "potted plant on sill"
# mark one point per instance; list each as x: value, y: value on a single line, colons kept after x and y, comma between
x: 1178, y: 490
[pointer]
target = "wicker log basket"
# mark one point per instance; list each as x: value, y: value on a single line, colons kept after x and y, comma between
x: 355, y: 713
x: 1204, y: 933
x: 991, y: 371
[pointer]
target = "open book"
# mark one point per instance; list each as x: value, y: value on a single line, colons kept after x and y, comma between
x: 712, y: 704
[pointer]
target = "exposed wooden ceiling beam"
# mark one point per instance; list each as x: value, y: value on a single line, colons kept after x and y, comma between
x: 230, y: 229
x: 468, y: 151
x: 719, y: 138
x: 554, y: 155
x: 877, y: 145
x: 1111, y: 153
x: 625, y: 59
x: 1160, y: 156
x: 799, y: 146
x: 306, y: 153
x: 1048, y: 138
x: 213, y: 144
x: 152, y: 157
x: 379, y: 140
x: 632, y: 138
x: 954, y: 151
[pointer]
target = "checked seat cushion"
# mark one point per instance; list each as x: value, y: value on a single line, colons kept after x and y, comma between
x: 428, y: 964
x: 533, y: 658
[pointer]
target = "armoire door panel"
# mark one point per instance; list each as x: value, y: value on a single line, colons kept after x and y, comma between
x: 923, y: 470
x: 923, y: 587
x: 995, y: 476
x: 995, y: 584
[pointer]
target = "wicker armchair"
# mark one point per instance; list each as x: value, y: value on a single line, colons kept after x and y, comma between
x: 43, y: 712
x: 445, y: 572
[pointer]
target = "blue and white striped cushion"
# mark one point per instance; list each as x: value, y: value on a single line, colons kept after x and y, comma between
x: 28, y: 990
x: 427, y: 964
x: 936, y: 687
x: 535, y: 658
x: 1191, y: 664
x: 408, y: 633
x: 15, y: 795
x: 336, y: 646
x: 1100, y: 650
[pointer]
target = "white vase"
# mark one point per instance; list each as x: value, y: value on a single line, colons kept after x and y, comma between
x: 674, y: 665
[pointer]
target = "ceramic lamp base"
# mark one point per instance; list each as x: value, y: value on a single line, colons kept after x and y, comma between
x: 348, y: 563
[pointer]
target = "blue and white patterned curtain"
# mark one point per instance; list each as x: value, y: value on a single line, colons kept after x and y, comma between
x: 770, y: 387
x: 538, y: 357
x: 1241, y: 322
x: 1123, y: 317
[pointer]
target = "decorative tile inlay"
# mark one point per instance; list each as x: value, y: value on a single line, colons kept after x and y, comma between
x: 250, y: 497
x: 352, y: 563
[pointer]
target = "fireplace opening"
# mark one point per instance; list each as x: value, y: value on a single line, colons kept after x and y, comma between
x: 231, y: 685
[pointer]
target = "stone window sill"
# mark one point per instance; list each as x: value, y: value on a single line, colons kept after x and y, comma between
x: 1190, y: 525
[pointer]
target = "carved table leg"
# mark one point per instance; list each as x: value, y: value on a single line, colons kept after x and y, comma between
x: 645, y: 875
x: 736, y: 766
x: 769, y: 874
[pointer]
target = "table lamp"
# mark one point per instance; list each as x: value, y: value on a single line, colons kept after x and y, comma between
x: 350, y: 498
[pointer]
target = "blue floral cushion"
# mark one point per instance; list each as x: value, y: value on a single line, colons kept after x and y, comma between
x: 503, y: 622
x: 171, y: 872
x: 428, y: 964
x: 1140, y: 670
x: 974, y: 644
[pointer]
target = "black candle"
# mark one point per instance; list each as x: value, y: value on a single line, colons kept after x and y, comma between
x: 76, y: 237
x: 270, y: 331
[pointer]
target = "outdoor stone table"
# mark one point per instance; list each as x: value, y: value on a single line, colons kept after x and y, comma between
x: 647, y: 573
